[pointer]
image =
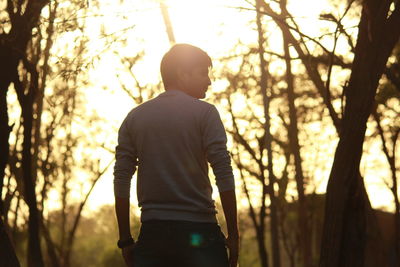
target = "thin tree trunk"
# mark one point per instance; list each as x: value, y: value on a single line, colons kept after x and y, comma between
x: 51, y: 251
x: 26, y: 101
x: 167, y: 22
x: 262, y: 250
x: 258, y: 226
x: 16, y: 213
x: 72, y: 233
x: 34, y: 250
x: 289, y: 246
x: 392, y: 163
x: 304, y: 234
x: 52, y: 8
x: 285, y: 240
x: 262, y: 215
x: 268, y: 145
x: 396, y: 218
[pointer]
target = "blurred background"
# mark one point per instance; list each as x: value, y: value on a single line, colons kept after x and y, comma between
x: 280, y: 74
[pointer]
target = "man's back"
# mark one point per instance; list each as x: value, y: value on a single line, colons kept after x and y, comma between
x: 172, y: 136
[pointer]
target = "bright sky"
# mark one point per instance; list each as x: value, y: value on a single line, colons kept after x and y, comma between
x: 210, y: 24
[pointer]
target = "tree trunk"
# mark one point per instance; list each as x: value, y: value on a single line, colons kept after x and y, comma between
x: 258, y: 226
x: 262, y: 250
x: 396, y: 218
x: 276, y: 261
x: 167, y: 22
x: 391, y: 159
x: 344, y: 234
x: 7, y: 253
x: 4, y: 145
x: 13, y: 50
x: 6, y: 62
x: 51, y: 249
x: 305, y: 238
x: 26, y: 102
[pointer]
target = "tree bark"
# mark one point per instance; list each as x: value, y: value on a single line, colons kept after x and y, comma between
x: 344, y: 234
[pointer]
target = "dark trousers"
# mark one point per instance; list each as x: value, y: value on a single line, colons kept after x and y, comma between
x: 180, y: 244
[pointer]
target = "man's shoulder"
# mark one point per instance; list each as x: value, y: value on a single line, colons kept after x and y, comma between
x: 187, y: 99
x: 140, y: 107
x: 203, y: 104
x: 177, y: 104
x: 176, y: 98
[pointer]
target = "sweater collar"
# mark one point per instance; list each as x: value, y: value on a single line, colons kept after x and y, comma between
x: 173, y: 92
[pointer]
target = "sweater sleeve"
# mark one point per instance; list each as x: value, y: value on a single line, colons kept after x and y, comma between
x: 214, y: 140
x: 125, y: 162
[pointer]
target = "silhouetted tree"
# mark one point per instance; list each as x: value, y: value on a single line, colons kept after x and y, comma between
x: 23, y: 18
x: 386, y: 114
x: 344, y: 237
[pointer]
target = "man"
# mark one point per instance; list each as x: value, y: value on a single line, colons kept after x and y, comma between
x: 170, y: 139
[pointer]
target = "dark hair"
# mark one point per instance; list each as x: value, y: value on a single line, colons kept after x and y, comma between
x: 183, y: 56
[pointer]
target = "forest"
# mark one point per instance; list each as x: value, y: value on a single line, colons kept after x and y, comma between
x: 308, y: 91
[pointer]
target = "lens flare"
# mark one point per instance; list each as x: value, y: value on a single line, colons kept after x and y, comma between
x: 196, y: 239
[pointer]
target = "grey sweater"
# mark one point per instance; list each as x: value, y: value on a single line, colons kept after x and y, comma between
x: 170, y: 139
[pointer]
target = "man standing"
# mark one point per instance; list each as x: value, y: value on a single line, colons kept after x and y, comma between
x: 170, y: 139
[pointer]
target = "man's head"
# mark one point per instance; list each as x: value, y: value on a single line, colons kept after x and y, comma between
x: 185, y: 67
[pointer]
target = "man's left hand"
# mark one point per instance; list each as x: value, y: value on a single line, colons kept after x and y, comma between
x: 127, y: 253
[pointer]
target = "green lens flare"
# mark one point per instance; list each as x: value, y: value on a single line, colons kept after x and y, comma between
x: 196, y: 239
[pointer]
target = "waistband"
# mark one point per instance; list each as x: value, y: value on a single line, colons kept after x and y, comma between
x: 177, y: 215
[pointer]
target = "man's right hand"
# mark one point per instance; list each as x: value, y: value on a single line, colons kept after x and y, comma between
x: 232, y: 242
x: 127, y: 253
x: 228, y: 201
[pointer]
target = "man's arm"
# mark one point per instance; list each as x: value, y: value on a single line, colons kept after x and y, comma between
x: 125, y: 167
x: 228, y: 201
x: 122, y: 212
x: 214, y: 139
